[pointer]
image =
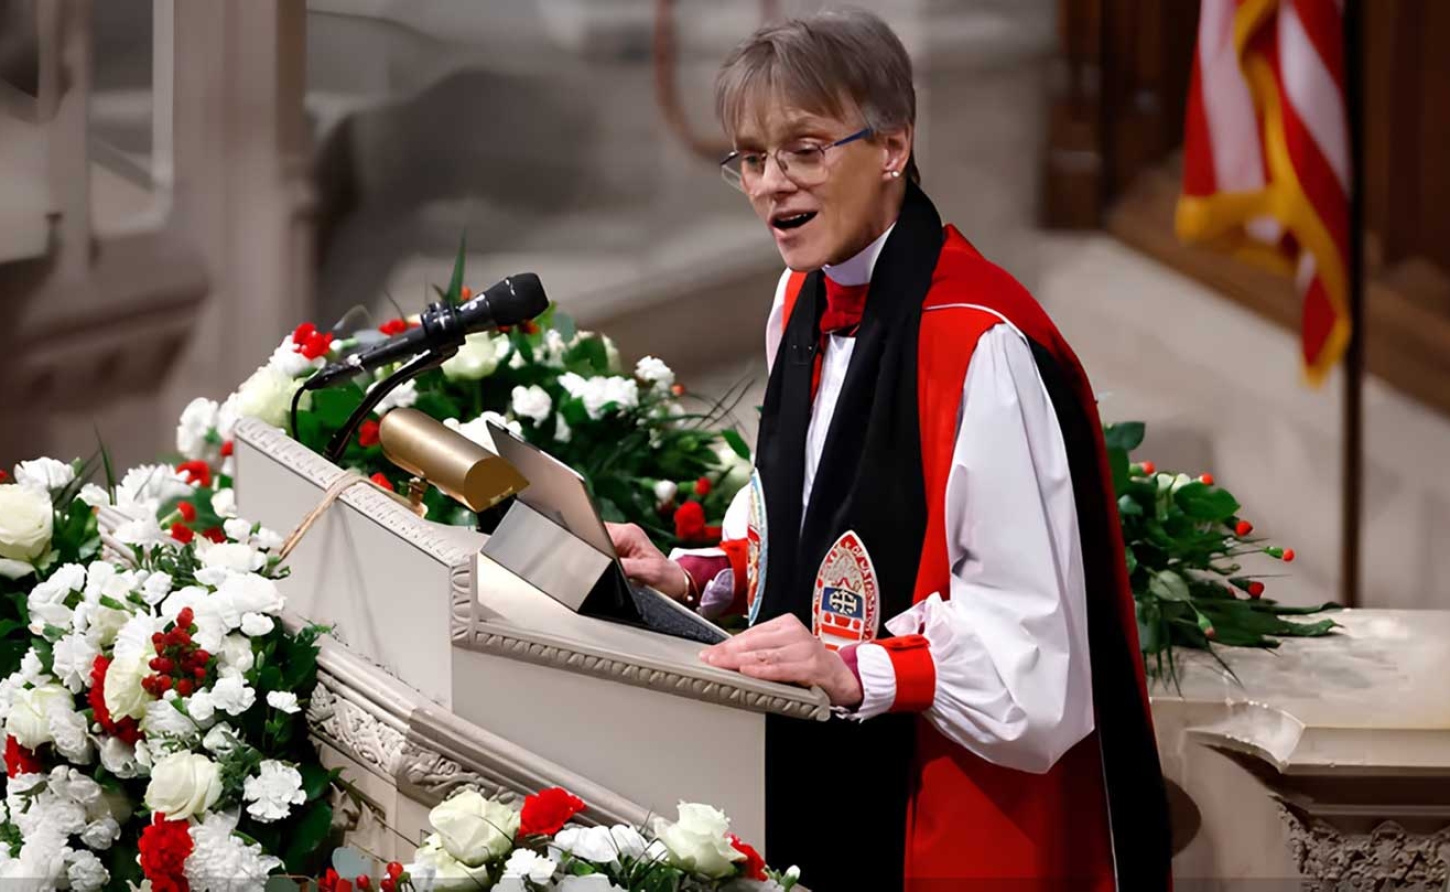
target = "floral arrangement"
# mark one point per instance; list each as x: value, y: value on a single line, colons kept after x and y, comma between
x: 647, y: 457
x: 154, y: 725
x: 482, y: 843
x: 1185, y: 545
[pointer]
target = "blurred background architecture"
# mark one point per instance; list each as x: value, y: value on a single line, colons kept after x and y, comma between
x: 183, y: 181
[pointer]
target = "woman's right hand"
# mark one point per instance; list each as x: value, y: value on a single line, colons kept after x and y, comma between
x: 646, y: 564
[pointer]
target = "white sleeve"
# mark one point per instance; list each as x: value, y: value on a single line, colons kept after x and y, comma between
x: 1009, y: 645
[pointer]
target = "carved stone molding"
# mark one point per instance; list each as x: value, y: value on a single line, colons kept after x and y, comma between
x: 543, y: 650
x: 1387, y: 857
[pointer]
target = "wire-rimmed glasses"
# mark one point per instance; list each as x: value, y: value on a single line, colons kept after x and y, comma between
x: 803, y: 162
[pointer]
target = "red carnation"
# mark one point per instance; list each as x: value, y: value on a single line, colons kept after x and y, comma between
x: 315, y: 345
x: 367, y: 433
x: 690, y: 522
x: 393, y: 327
x: 1243, y: 529
x: 1256, y: 589
x: 182, y: 533
x: 702, y: 487
x: 165, y: 846
x: 215, y: 534
x: 196, y: 472
x: 546, y: 812
x: 228, y: 447
x: 1288, y: 555
x: 754, y: 866
x: 3, y: 476
x: 302, y: 333
x: 382, y: 480
x: 18, y: 759
x: 188, y: 511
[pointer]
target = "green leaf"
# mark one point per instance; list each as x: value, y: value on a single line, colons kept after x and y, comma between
x: 1206, y: 503
x: 1150, y: 628
x: 309, y: 834
x: 315, y: 780
x: 736, y: 442
x: 1131, y: 558
x: 333, y: 406
x: 1169, y: 586
x: 564, y: 325
x: 1125, y: 435
x: 1129, y: 507
x: 455, y: 284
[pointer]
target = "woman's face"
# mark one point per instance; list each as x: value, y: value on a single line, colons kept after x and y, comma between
x: 833, y: 217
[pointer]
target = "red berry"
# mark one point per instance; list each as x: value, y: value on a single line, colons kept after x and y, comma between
x: 1211, y: 632
x: 677, y: 389
x: 1288, y: 555
x: 1256, y: 589
x: 1149, y: 467
x: 161, y: 647
x: 184, y: 687
x: 388, y: 884
x: 395, y: 869
x: 466, y: 293
x: 199, y: 657
x: 163, y: 682
x: 364, y: 881
x: 1206, y: 480
x: 185, y: 617
x: 182, y: 533
x: 199, y: 672
x: 367, y: 433
x: 393, y: 327
x: 228, y: 448
x: 1243, y: 529
x: 183, y: 637
x: 702, y: 486
x: 158, y: 638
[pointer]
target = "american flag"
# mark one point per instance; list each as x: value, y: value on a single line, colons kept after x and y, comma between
x: 1266, y: 158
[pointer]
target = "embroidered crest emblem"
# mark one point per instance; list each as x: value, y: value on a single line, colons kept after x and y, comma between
x: 756, y: 549
x: 846, y: 602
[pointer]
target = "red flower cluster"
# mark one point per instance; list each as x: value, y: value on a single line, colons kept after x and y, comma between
x: 395, y: 874
x: 690, y: 522
x: 754, y: 866
x: 382, y: 480
x: 228, y: 447
x: 393, y: 327
x: 182, y: 533
x: 179, y: 663
x: 546, y: 812
x: 196, y: 472
x: 165, y: 846
x: 126, y: 729
x: 18, y: 759
x: 310, y: 342
x: 187, y: 510
x: 367, y: 433
x: 331, y: 882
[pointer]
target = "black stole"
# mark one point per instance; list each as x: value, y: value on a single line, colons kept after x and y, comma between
x: 827, y: 782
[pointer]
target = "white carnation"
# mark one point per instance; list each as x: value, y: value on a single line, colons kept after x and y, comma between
x: 665, y: 492
x: 68, y: 735
x: 32, y: 671
x: 202, y: 707
x: 237, y: 556
x: 101, y: 833
x: 94, y: 495
x: 46, y: 601
x: 400, y: 397
x: 144, y: 488
x: 156, y: 587
x: 144, y: 532
x: 198, y: 420
x: 221, y: 739
x: 532, y: 402
x: 554, y: 348
x: 44, y: 473
x: 255, y: 625
x: 119, y: 758
x: 236, y: 654
x: 221, y: 861
x: 590, y: 843
x: 232, y: 695
x: 86, y: 872
x: 267, y: 395
x: 562, y: 432
x: 164, y: 720
x: 477, y: 358
x: 273, y: 791
x: 237, y: 529
x: 654, y: 373
x: 74, y: 657
x: 477, y: 429
x: 267, y: 540
x: 524, y: 864
x: 286, y: 701
x: 224, y: 502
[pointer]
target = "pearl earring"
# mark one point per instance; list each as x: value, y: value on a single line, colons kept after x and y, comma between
x: 896, y: 173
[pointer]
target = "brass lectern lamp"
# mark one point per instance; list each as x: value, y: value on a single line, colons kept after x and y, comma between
x: 460, y: 468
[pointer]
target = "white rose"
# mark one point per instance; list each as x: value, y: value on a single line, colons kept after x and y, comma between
x: 436, y: 870
x: 286, y: 701
x: 68, y: 733
x: 654, y: 373
x: 267, y: 396
x: 44, y: 473
x: 532, y: 402
x: 12, y: 569
x: 124, y: 695
x: 665, y: 492
x: 183, y: 785
x: 477, y: 358
x: 26, y: 522
x: 698, y: 841
x: 197, y: 421
x: 737, y: 469
x: 224, y: 502
x: 119, y: 757
x: 474, y: 829
x: 29, y: 718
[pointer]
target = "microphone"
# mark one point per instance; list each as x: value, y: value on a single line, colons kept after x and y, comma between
x: 515, y: 299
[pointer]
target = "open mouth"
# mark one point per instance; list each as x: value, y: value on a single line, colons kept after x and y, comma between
x: 792, y: 221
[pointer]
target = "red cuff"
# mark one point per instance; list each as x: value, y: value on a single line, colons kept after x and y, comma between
x: 915, y: 672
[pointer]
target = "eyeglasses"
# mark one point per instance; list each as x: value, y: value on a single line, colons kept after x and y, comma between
x: 804, y: 163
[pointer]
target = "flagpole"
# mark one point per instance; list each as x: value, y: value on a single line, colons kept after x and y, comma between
x: 1353, y: 424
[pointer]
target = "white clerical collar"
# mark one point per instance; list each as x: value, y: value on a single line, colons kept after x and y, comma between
x: 857, y: 270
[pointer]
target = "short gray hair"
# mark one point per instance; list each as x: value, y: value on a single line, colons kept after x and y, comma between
x: 824, y: 64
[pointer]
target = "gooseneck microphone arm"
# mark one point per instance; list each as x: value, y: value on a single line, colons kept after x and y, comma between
x: 414, y: 367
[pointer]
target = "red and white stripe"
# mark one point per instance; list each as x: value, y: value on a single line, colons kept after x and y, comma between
x: 1228, y: 146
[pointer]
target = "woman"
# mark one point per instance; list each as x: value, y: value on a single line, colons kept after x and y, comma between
x: 929, y: 536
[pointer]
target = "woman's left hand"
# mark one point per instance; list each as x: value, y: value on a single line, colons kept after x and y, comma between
x: 784, y: 650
